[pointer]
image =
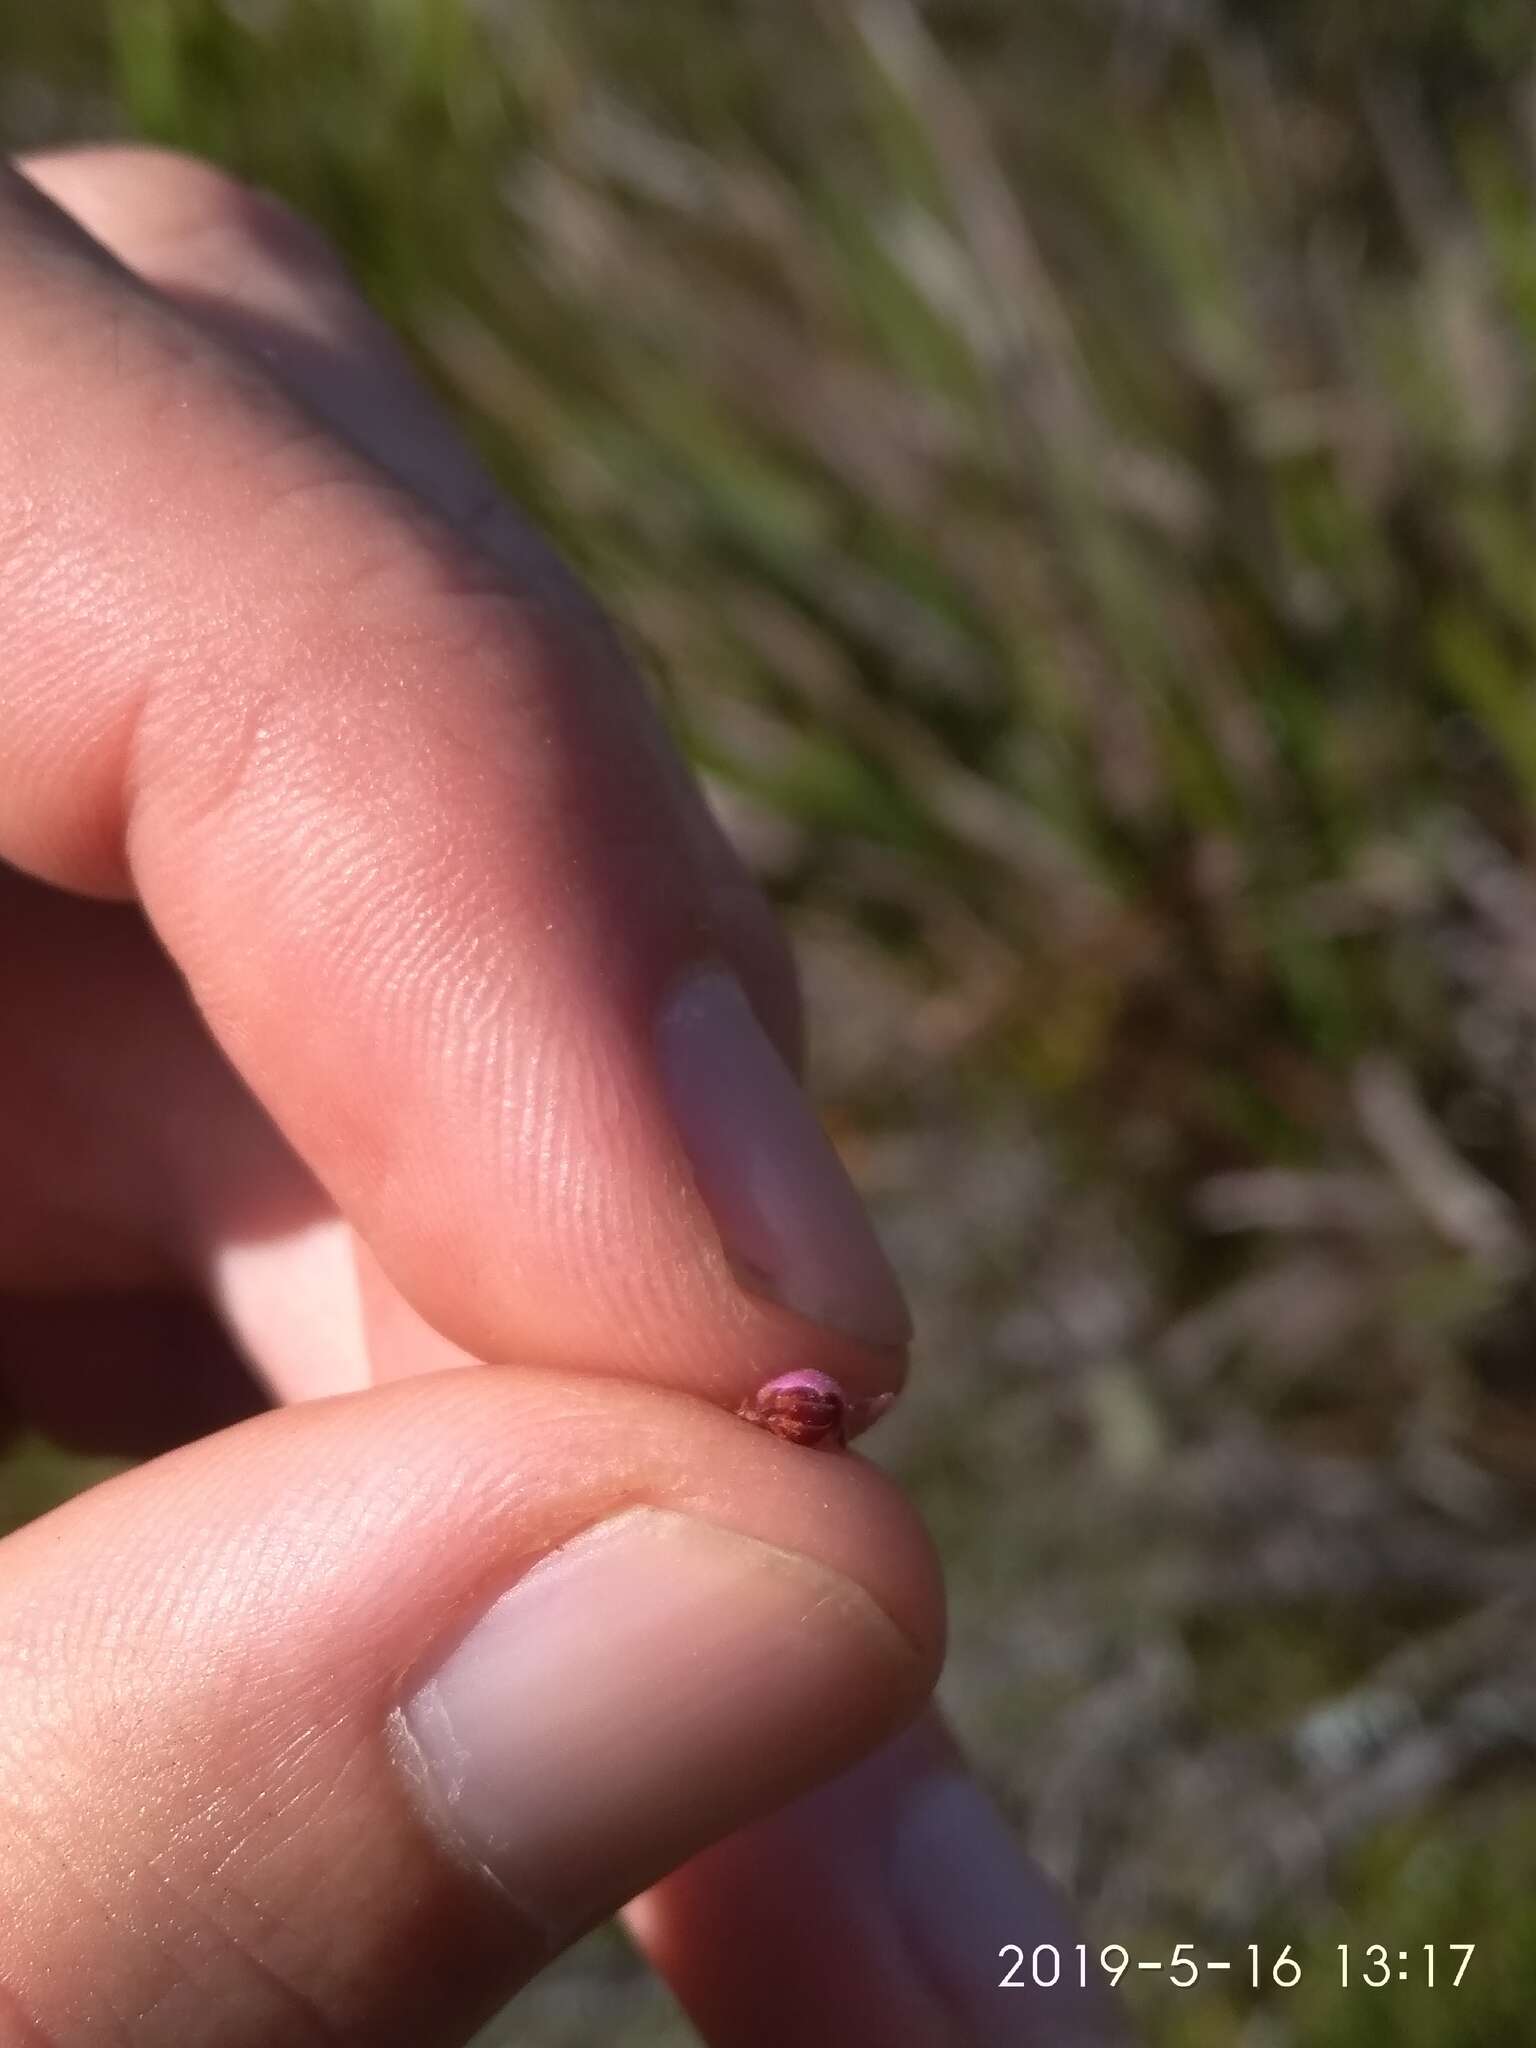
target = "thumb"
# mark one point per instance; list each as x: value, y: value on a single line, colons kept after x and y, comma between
x: 339, y: 1725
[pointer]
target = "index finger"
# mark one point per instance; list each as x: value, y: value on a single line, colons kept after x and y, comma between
x: 421, y: 867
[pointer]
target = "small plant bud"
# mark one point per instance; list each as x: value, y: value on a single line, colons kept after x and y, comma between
x: 807, y: 1408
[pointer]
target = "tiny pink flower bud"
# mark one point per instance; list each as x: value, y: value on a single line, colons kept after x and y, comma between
x: 806, y: 1407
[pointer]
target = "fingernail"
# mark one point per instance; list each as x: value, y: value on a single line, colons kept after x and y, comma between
x: 639, y: 1692
x: 792, y: 1226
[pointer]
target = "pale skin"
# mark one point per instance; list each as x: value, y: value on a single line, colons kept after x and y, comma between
x: 343, y: 868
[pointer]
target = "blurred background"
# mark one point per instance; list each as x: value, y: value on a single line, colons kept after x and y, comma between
x: 1068, y: 469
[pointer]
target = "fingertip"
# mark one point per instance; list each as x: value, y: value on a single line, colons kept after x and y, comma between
x: 920, y: 1887
x: 380, y: 1648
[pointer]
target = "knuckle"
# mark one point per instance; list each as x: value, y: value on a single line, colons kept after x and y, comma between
x: 374, y: 609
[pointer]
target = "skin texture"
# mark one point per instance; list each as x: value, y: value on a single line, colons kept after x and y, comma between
x: 342, y: 869
x: 262, y: 688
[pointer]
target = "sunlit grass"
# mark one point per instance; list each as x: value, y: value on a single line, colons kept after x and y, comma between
x: 1069, y: 475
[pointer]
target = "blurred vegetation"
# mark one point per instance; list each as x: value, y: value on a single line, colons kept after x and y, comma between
x: 1069, y: 470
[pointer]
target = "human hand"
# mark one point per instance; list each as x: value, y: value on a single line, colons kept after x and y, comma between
x: 379, y: 996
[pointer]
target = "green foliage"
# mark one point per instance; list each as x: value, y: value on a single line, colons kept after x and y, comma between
x: 1069, y: 471
x: 36, y: 1476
